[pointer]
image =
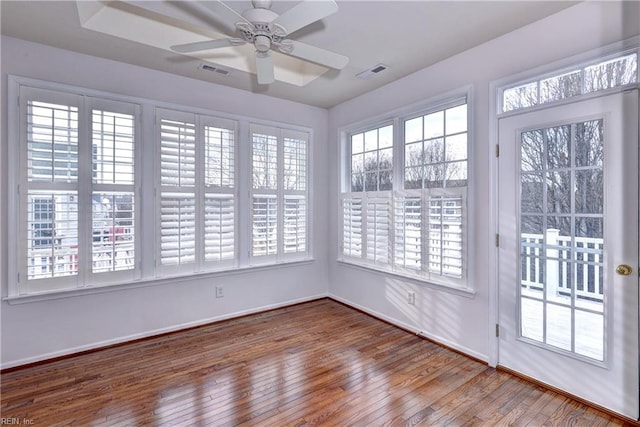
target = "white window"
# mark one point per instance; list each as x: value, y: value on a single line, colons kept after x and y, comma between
x: 415, y: 224
x: 77, y: 218
x: 372, y: 159
x: 113, y: 201
x: 197, y: 203
x: 615, y: 72
x: 76, y: 215
x: 278, y: 194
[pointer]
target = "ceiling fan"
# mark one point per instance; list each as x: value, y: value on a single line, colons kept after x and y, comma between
x: 267, y: 30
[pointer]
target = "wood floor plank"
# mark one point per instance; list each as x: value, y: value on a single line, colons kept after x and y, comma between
x: 313, y: 364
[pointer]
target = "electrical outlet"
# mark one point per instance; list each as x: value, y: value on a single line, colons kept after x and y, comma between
x: 411, y: 298
x: 219, y: 291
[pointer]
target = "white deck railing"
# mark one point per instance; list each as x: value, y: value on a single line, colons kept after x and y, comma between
x: 44, y: 263
x: 552, y: 263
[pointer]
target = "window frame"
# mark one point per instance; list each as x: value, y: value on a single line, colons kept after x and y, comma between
x: 199, y: 191
x: 123, y: 107
x: 576, y: 64
x: 364, y: 131
x: 147, y: 185
x: 86, y: 101
x: 397, y: 118
x: 280, y: 193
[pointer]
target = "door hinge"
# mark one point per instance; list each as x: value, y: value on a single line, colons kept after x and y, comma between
x: 497, y: 240
x: 497, y: 330
x: 497, y: 150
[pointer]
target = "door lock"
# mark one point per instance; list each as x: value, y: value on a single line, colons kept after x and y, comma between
x: 624, y: 270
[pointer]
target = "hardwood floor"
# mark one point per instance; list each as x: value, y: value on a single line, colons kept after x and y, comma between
x: 318, y: 363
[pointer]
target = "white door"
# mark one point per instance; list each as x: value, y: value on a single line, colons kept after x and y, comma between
x: 568, y: 227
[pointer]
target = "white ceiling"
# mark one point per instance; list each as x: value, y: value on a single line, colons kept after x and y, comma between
x: 404, y: 35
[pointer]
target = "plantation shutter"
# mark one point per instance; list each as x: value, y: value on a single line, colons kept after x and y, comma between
x: 198, y: 192
x: 219, y: 137
x: 51, y: 228
x: 352, y: 226
x: 264, y: 221
x: 407, y: 218
x: 177, y: 191
x: 295, y: 224
x: 113, y: 136
x: 177, y: 154
x: 219, y: 228
x: 446, y: 233
x: 415, y: 232
x: 264, y: 193
x: 279, y: 194
x: 295, y: 192
x: 178, y: 222
x: 77, y: 210
x: 378, y: 227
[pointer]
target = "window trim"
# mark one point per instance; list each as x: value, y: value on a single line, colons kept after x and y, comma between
x: 466, y: 291
x: 148, y: 282
x: 450, y: 99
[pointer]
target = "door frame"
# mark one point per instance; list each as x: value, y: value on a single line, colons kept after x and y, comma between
x: 495, y: 91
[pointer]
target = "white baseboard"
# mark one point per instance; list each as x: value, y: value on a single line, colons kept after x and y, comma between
x: 148, y: 334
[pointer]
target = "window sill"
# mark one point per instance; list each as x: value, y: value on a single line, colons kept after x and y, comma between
x: 466, y: 292
x: 147, y: 282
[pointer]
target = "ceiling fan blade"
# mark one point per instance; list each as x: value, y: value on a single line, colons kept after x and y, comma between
x: 305, y: 13
x: 314, y: 54
x: 221, y: 13
x: 264, y: 68
x: 206, y: 45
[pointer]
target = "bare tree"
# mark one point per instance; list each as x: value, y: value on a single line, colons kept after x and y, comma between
x: 428, y: 167
x: 561, y: 174
x: 375, y: 173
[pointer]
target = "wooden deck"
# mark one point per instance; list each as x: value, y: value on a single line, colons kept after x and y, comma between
x: 318, y: 363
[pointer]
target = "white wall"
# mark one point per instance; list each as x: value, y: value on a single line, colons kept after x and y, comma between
x: 39, y: 330
x: 463, y: 322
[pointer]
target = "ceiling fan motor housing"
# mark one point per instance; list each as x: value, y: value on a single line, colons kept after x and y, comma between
x: 261, y: 32
x: 262, y: 43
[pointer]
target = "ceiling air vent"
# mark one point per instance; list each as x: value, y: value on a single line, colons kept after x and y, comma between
x: 365, y: 75
x: 213, y: 69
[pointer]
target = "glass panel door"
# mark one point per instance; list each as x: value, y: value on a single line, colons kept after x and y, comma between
x: 568, y: 224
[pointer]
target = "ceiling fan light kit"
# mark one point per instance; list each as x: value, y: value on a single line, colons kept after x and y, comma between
x: 266, y: 30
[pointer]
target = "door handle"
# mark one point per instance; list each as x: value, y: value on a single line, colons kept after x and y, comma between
x: 624, y: 270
